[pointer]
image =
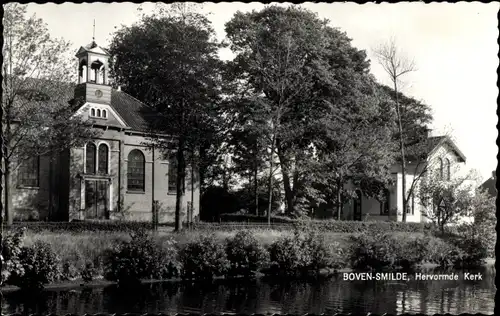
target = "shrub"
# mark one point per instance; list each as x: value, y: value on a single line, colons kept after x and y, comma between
x: 11, y: 249
x: 245, y: 254
x: 377, y: 251
x: 88, y: 272
x: 203, y: 258
x: 442, y: 253
x: 474, y: 250
x: 40, y: 266
x: 301, y: 254
x: 139, y: 258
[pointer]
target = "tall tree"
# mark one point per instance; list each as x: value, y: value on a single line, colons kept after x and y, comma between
x: 288, y: 57
x: 396, y: 65
x: 37, y: 75
x: 354, y: 143
x: 169, y: 60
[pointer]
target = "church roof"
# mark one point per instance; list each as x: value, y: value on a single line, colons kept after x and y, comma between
x: 93, y: 48
x: 135, y: 113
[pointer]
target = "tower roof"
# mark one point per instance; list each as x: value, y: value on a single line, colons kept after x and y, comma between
x: 92, y: 48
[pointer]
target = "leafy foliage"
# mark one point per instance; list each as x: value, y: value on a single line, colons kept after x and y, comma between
x: 140, y: 258
x: 382, y: 250
x: 245, y: 254
x: 12, y: 244
x: 204, y: 258
x: 40, y: 266
x: 300, y: 254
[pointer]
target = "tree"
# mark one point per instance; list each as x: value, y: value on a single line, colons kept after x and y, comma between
x: 446, y: 201
x: 37, y: 101
x: 169, y: 60
x: 396, y: 66
x: 354, y: 143
x: 288, y: 58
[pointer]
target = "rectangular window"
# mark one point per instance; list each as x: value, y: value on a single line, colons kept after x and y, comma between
x: 384, y: 204
x: 28, y: 172
x: 410, y: 205
x: 172, y: 176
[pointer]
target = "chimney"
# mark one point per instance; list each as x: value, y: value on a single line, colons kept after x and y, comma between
x: 119, y: 88
x: 494, y: 174
x: 429, y: 132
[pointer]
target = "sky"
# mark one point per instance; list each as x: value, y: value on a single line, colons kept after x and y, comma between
x: 454, y: 47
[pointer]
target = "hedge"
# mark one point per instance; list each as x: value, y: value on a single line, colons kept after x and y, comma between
x: 323, y: 226
x: 83, y: 226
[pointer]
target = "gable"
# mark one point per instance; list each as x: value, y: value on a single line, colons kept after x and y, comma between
x: 102, y: 114
x: 445, y: 147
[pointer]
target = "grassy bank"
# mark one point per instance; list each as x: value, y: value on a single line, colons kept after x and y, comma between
x: 116, y: 255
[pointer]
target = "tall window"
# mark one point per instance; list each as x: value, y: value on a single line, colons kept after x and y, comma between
x: 447, y: 169
x: 90, y: 158
x: 441, y: 169
x: 135, y: 172
x: 172, y: 175
x: 28, y: 172
x: 410, y: 205
x: 103, y: 159
x: 384, y: 204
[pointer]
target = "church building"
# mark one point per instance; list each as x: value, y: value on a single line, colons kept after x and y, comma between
x: 116, y: 176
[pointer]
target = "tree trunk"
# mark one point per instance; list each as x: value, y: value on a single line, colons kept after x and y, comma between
x: 181, y: 177
x: 256, y: 190
x: 403, y: 158
x: 339, y: 200
x: 9, y: 217
x: 270, y: 188
x: 289, y: 194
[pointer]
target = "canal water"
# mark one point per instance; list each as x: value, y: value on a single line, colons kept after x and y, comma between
x: 262, y: 296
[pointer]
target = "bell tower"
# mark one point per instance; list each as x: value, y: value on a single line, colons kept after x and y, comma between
x: 93, y: 74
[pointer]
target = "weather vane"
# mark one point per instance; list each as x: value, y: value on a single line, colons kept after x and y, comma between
x: 93, y: 33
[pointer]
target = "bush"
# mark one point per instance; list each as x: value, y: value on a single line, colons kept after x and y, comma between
x: 137, y: 259
x: 300, y: 254
x: 378, y: 251
x: 474, y: 250
x: 245, y: 254
x: 88, y: 272
x: 11, y: 249
x: 203, y: 258
x: 40, y: 266
x: 442, y: 253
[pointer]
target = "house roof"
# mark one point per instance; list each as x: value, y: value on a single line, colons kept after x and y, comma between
x: 490, y: 185
x: 436, y: 141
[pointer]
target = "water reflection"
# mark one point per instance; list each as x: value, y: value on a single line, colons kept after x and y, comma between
x: 264, y: 296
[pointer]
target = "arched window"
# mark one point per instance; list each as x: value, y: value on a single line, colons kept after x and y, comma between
x: 28, y: 172
x: 103, y: 159
x: 92, y: 112
x: 441, y: 169
x: 135, y: 170
x: 447, y: 169
x: 104, y: 113
x: 98, y: 113
x: 90, y: 157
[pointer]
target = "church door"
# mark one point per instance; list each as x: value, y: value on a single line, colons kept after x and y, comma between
x: 96, y: 198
